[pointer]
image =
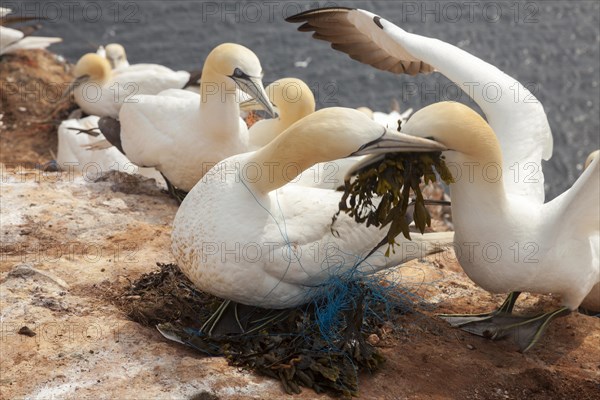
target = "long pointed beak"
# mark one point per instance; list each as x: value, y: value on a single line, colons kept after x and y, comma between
x: 78, y: 81
x: 253, y: 86
x: 253, y: 105
x: 396, y: 142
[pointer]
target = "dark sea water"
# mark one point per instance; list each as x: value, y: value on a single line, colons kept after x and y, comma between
x: 553, y: 47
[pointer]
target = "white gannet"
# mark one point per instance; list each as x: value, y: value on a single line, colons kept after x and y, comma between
x: 292, y: 99
x: 516, y: 117
x: 183, y: 135
x: 507, y: 242
x: 74, y: 155
x: 14, y: 39
x: 244, y: 233
x: 101, y: 91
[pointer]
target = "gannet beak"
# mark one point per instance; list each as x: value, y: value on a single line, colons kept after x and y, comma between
x: 396, y: 142
x: 78, y: 81
x: 253, y: 86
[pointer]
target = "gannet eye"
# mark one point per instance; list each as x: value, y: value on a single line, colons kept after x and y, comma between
x: 238, y: 73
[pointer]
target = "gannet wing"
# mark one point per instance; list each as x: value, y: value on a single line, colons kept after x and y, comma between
x: 357, y: 34
x: 148, y: 79
x: 301, y: 223
x: 577, y: 208
x: 517, y: 117
x: 148, y: 126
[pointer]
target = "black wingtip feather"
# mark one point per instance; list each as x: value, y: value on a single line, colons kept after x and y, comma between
x: 301, y: 17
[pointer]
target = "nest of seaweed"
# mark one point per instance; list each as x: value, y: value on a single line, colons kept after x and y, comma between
x: 322, y: 345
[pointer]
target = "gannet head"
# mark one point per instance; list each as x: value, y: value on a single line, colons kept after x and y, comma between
x: 116, y: 56
x: 90, y: 68
x: 327, y: 135
x: 593, y: 155
x: 242, y: 66
x: 464, y: 132
x: 291, y: 97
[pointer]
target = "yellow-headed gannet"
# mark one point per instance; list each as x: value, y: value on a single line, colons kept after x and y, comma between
x: 101, y: 91
x: 506, y: 241
x: 183, y: 134
x: 524, y: 136
x: 244, y: 233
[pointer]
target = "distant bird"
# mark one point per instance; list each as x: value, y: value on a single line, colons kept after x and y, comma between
x: 183, y: 134
x: 101, y: 91
x: 116, y: 56
x: 246, y: 234
x: 18, y: 39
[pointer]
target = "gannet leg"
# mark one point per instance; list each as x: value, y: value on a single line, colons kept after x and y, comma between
x: 464, y: 320
x: 528, y: 330
x: 232, y: 318
x: 501, y: 323
x: 177, y: 194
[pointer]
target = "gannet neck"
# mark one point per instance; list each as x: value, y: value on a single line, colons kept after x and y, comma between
x: 219, y: 105
x: 97, y: 68
x: 314, y: 139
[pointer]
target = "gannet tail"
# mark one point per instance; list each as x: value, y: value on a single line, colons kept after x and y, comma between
x: 421, y: 245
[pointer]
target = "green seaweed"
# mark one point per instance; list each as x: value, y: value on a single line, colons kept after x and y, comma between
x: 380, y: 193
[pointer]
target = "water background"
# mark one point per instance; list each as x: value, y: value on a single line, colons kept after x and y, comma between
x: 551, y: 46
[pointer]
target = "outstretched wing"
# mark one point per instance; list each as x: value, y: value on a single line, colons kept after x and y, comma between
x: 516, y: 116
x: 358, y: 35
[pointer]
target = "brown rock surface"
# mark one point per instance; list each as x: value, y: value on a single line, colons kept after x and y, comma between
x: 68, y: 242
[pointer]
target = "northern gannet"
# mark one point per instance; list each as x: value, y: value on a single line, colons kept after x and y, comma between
x: 520, y: 125
x: 244, y: 233
x: 100, y: 90
x: 507, y: 242
x: 14, y: 39
x: 183, y: 134
x: 292, y: 99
